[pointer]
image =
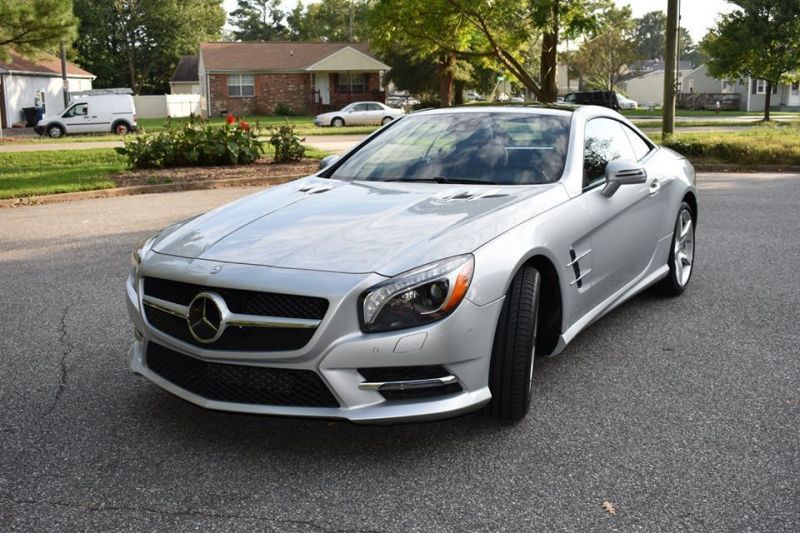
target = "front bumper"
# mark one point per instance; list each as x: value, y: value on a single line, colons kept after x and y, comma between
x: 461, y: 343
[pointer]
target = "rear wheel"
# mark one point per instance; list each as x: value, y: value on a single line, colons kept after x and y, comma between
x: 337, y: 122
x: 386, y: 120
x: 121, y: 128
x: 681, y: 254
x: 511, y: 370
x: 55, y: 131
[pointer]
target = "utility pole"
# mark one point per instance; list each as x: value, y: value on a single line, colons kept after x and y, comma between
x: 64, y: 75
x: 352, y: 16
x: 670, y: 65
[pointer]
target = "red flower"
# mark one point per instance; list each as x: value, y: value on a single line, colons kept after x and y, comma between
x: 244, y: 125
x: 231, y: 119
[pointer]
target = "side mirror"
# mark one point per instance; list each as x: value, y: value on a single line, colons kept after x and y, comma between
x: 328, y: 161
x: 622, y: 172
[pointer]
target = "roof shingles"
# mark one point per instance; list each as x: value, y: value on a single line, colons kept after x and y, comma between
x: 270, y: 55
x: 45, y: 64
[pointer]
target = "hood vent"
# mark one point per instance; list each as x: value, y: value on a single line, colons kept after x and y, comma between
x: 473, y: 194
x: 315, y: 188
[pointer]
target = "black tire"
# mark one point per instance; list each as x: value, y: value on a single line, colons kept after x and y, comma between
x: 55, y: 131
x: 672, y: 285
x: 511, y: 370
x: 386, y: 120
x: 121, y: 128
x: 337, y: 122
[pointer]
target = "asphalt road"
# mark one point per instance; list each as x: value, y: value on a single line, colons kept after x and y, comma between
x: 684, y: 413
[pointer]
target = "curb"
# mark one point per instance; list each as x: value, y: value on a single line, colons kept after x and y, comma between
x: 146, y: 189
x: 722, y: 167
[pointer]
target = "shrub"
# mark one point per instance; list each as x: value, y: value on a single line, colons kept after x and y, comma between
x: 287, y: 145
x: 763, y: 145
x: 283, y: 110
x: 193, y: 144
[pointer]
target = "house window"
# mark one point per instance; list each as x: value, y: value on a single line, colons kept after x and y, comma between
x: 761, y: 87
x: 796, y: 87
x: 351, y: 82
x: 241, y: 85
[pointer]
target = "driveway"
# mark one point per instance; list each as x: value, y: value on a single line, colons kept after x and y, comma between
x: 684, y: 413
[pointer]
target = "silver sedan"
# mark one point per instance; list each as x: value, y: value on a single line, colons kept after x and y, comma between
x: 359, y: 114
x: 419, y: 275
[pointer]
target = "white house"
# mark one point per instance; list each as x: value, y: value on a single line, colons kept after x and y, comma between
x: 22, y: 79
x: 752, y: 92
x: 185, y: 79
x: 646, y: 84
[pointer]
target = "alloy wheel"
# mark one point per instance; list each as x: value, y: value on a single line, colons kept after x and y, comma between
x: 683, y: 251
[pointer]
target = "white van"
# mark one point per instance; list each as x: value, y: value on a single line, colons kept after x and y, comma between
x: 91, y: 114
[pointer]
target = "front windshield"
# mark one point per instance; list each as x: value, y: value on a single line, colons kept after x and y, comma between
x: 493, y: 147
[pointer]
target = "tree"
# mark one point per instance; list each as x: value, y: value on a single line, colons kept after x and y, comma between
x: 29, y: 26
x: 329, y: 20
x: 502, y: 30
x: 138, y: 43
x: 759, y: 41
x: 602, y: 57
x: 650, y: 35
x: 258, y: 20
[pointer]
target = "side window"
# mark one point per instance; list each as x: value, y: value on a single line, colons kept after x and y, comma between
x: 360, y: 107
x: 605, y: 141
x: 640, y: 147
x: 78, y: 110
x: 375, y: 107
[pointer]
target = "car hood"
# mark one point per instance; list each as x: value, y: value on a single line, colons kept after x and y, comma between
x: 356, y: 227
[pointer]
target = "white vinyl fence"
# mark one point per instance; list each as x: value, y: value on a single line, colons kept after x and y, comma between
x: 167, y: 105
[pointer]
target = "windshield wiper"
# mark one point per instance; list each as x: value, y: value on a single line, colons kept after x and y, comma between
x: 442, y: 179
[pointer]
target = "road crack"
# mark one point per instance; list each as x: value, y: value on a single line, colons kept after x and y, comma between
x: 65, y: 342
x: 181, y: 512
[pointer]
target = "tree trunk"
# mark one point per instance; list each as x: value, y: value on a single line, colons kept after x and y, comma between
x: 549, y: 57
x: 447, y: 67
x: 458, y: 98
x: 767, y: 101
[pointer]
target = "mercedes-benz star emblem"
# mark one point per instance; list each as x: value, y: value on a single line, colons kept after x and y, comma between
x: 205, y: 318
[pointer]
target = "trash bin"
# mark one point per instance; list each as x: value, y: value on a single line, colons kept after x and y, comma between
x: 39, y: 113
x: 30, y: 116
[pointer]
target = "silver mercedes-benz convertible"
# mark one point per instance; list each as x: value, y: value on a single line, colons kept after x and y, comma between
x: 418, y: 275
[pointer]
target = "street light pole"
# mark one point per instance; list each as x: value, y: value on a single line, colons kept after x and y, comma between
x: 64, y: 75
x: 670, y: 65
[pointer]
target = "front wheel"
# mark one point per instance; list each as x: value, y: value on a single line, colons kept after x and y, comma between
x: 55, y: 131
x: 337, y: 122
x: 513, y: 353
x: 681, y: 254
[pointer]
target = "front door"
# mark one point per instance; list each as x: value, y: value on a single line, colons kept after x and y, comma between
x: 626, y: 225
x: 322, y: 85
x: 76, y: 119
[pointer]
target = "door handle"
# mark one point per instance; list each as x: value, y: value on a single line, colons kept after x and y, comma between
x: 655, y: 186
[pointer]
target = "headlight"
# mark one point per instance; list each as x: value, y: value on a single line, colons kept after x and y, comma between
x: 420, y: 296
x: 139, y: 251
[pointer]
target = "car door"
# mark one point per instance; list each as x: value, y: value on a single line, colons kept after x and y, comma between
x: 627, y: 224
x: 76, y: 119
x: 376, y: 113
x: 358, y: 115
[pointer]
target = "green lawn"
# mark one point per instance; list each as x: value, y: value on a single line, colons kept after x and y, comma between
x: 763, y: 145
x: 35, y: 173
x: 49, y: 172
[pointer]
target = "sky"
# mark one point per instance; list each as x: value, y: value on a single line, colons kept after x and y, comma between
x: 696, y: 15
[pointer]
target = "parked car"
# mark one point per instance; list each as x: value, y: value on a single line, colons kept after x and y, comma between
x: 516, y: 100
x: 473, y: 96
x: 626, y: 103
x: 602, y: 98
x: 419, y: 275
x: 92, y: 114
x: 358, y: 114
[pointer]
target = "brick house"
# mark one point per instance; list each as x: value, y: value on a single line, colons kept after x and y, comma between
x: 254, y: 78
